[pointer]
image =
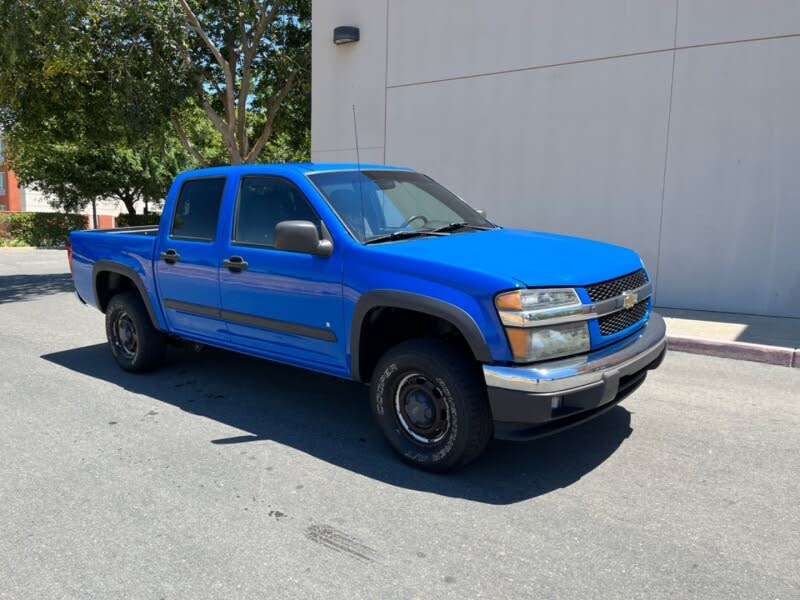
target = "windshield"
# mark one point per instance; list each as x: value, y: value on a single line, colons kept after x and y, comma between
x: 378, y: 204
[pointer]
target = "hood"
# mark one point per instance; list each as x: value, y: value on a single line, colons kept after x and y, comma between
x: 532, y: 258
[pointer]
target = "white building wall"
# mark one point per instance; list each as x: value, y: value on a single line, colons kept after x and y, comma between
x: 347, y: 75
x: 670, y: 126
x: 34, y: 201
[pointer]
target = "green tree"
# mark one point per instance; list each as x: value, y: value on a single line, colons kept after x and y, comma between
x: 93, y: 88
x: 92, y: 71
x: 86, y: 99
x: 248, y: 59
x: 76, y: 173
x: 122, y: 68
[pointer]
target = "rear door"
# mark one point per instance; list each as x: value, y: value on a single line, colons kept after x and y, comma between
x: 187, y: 261
x: 285, y: 305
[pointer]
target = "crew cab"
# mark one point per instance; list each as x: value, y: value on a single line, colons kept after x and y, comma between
x: 462, y: 329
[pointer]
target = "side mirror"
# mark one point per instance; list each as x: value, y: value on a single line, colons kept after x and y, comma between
x: 301, y: 236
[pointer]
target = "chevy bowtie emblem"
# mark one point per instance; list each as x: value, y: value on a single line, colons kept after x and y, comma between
x: 629, y: 299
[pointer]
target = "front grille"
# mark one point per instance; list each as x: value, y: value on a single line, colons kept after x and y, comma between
x: 616, y: 322
x: 615, y: 287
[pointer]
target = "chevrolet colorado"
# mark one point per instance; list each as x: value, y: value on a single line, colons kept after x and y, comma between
x: 463, y: 330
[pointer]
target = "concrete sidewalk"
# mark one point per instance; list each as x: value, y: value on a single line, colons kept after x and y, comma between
x: 773, y: 340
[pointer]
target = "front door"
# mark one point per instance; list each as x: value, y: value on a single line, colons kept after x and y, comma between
x: 187, y: 261
x: 284, y: 305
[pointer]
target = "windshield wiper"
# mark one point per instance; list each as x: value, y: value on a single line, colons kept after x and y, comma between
x: 444, y: 230
x: 458, y: 225
x: 401, y: 235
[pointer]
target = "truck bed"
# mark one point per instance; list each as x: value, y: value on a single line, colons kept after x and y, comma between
x: 129, y: 246
x: 135, y: 230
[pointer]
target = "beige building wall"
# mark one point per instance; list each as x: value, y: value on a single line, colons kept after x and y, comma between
x: 35, y: 201
x: 669, y: 126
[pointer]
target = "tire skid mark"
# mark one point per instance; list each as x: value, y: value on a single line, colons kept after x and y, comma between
x: 339, y: 541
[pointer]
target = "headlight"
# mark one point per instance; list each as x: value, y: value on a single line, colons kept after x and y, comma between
x: 537, y: 299
x: 521, y: 309
x: 529, y: 344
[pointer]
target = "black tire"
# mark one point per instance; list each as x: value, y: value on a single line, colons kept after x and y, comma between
x: 420, y: 379
x: 127, y: 316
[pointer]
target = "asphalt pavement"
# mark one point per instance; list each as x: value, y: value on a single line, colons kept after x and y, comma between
x: 222, y: 476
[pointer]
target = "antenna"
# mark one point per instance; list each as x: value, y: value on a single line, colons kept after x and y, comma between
x: 355, y: 134
x: 360, y: 185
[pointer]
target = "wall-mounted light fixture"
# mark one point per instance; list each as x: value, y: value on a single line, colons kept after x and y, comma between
x: 345, y: 34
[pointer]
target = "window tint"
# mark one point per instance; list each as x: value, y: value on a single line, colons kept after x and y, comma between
x: 197, y: 209
x: 263, y: 203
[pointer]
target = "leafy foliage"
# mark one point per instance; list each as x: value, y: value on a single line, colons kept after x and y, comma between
x: 98, y: 68
x: 129, y: 220
x: 75, y: 173
x: 39, y: 229
x: 249, y: 58
x: 110, y: 98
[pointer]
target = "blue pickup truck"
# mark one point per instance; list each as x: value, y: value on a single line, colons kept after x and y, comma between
x: 463, y: 330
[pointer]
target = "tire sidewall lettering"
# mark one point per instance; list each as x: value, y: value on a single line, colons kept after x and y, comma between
x: 385, y: 384
x: 453, y: 433
x: 380, y: 392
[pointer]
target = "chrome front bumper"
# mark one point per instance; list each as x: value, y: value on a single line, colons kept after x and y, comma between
x: 573, y: 389
x: 572, y: 373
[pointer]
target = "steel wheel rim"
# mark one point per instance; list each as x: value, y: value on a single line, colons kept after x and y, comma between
x: 125, y: 337
x: 421, y: 409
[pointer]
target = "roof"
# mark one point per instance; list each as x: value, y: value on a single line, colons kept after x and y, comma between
x: 288, y: 167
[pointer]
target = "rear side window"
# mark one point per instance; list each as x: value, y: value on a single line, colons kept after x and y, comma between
x: 197, y: 209
x: 263, y: 203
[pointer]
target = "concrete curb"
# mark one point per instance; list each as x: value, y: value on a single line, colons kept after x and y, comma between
x: 772, y: 355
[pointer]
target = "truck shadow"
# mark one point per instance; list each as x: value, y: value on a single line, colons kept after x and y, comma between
x: 329, y: 418
x: 17, y: 288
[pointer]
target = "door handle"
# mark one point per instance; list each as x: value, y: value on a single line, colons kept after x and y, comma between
x: 235, y: 264
x: 170, y: 256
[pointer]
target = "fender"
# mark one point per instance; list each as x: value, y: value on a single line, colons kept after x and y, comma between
x: 424, y: 304
x: 115, y: 267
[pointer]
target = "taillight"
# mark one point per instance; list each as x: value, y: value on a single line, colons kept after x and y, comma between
x: 69, y: 256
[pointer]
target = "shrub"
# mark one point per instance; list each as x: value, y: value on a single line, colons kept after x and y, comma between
x: 40, y: 229
x: 4, y: 243
x: 129, y: 220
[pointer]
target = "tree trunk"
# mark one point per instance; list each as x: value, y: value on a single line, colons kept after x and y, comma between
x: 231, y: 121
x: 129, y: 202
x: 94, y: 213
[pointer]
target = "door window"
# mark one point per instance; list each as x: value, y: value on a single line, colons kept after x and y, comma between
x: 197, y: 209
x: 263, y: 203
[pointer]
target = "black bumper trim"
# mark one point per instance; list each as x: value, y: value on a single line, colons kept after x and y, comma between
x: 522, y: 415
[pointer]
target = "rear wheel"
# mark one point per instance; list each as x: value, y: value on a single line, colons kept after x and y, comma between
x: 136, y: 345
x: 430, y: 402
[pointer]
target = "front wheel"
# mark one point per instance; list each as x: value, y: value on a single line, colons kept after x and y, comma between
x: 430, y: 402
x: 136, y: 345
